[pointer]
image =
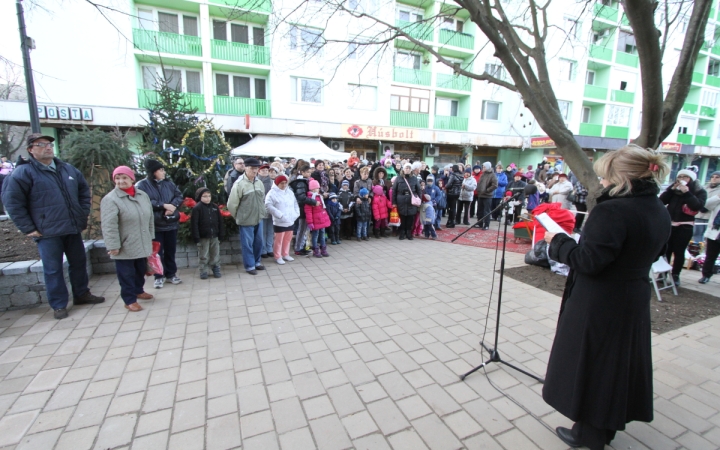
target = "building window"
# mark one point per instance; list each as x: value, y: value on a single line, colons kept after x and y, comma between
x: 618, y: 116
x: 626, y: 43
x: 452, y: 24
x: 495, y: 69
x: 590, y: 77
x: 714, y: 67
x: 362, y: 97
x: 243, y: 86
x: 407, y: 60
x: 180, y: 80
x: 409, y: 15
x: 446, y: 107
x: 237, y: 32
x: 305, y: 90
x: 709, y: 98
x: 585, y: 114
x: 362, y: 50
x: 567, y: 69
x: 573, y: 28
x: 306, y: 40
x: 409, y: 99
x: 682, y: 130
x: 564, y: 109
x: 168, y: 22
x: 490, y: 110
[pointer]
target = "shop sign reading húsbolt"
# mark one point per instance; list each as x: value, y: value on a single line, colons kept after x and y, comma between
x: 379, y: 132
x: 670, y: 147
x: 542, y: 142
x: 65, y: 113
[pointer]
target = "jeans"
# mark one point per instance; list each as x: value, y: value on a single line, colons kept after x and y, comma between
x: 281, y: 244
x: 268, y: 235
x: 679, y: 239
x: 251, y: 238
x: 318, y: 238
x: 484, y: 210
x: 208, y: 253
x: 438, y: 216
x: 711, y: 254
x: 300, y: 235
x: 429, y: 230
x: 361, y: 229
x: 51, y: 253
x: 131, y: 276
x: 168, y: 246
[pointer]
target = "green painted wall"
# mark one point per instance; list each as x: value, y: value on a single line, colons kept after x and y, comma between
x: 521, y: 158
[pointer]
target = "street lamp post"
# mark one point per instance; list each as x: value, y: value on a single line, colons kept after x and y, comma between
x: 25, y: 45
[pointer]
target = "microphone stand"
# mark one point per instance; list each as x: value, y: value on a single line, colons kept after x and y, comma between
x: 494, y: 354
x: 502, y: 205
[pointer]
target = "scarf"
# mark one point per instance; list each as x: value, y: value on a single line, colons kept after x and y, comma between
x: 129, y: 191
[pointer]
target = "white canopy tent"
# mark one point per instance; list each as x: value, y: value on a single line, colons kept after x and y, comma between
x: 271, y: 146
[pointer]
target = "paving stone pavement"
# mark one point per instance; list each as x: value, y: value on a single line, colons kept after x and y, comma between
x: 359, y: 350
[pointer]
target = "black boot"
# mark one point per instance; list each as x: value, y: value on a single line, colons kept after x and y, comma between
x: 402, y: 234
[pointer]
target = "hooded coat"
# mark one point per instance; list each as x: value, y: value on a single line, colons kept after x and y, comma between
x: 317, y: 215
x: 282, y: 206
x: 385, y: 182
x: 600, y: 365
x: 502, y: 182
x: 380, y: 205
x: 468, y: 189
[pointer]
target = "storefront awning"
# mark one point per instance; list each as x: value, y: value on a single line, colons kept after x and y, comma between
x: 289, y: 146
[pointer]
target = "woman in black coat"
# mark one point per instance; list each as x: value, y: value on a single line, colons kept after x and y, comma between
x: 600, y: 369
x: 405, y: 185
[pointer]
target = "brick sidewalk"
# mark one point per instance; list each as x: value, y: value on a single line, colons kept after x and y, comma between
x: 359, y: 350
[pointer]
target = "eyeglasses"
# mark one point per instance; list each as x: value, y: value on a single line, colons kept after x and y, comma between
x: 240, y: 162
x: 43, y: 144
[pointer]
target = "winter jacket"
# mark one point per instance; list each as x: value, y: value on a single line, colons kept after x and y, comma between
x: 434, y: 192
x: 127, y: 224
x: 713, y: 206
x: 380, y: 207
x: 402, y: 195
x: 160, y: 193
x: 247, y: 202
x: 502, y: 182
x: 282, y: 206
x: 517, y: 186
x: 334, y: 210
x: 333, y: 187
x: 706, y: 212
x: 427, y: 213
x: 453, y: 185
x: 345, y: 199
x: 206, y: 222
x: 231, y: 177
x: 694, y: 198
x: 317, y: 215
x: 363, y: 210
x: 487, y: 185
x: 560, y: 191
x: 54, y: 203
x: 360, y: 183
x: 384, y: 182
x: 300, y: 188
x: 468, y: 189
x: 322, y: 178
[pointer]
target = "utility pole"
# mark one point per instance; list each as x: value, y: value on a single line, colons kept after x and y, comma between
x: 26, y: 44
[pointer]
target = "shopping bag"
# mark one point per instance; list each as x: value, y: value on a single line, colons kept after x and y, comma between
x: 154, y: 264
x: 394, y: 217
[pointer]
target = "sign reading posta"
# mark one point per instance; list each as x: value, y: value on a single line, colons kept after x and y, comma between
x: 670, y: 147
x: 65, y: 113
x: 542, y: 142
x: 352, y: 131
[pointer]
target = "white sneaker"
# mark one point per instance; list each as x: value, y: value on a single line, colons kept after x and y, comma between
x: 159, y: 282
x: 280, y: 261
x: 175, y: 280
x: 288, y: 258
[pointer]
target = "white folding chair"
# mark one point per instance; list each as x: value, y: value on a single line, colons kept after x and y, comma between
x: 662, y: 270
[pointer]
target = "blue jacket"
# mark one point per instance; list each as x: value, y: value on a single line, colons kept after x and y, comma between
x: 160, y: 193
x: 54, y: 203
x: 334, y: 211
x: 502, y: 183
x: 434, y: 193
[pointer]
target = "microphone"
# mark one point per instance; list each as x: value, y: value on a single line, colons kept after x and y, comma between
x: 510, y: 197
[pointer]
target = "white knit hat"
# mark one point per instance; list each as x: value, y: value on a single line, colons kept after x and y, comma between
x: 688, y: 173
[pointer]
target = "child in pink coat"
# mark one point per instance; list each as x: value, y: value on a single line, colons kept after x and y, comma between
x: 317, y: 220
x: 381, y: 211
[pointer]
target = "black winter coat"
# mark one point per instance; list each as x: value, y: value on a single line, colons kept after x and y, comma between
x: 694, y: 198
x: 453, y: 186
x: 363, y: 212
x: 206, y: 222
x: 600, y: 366
x: 300, y: 186
x: 54, y: 203
x: 401, y: 194
x: 161, y: 193
x: 517, y: 186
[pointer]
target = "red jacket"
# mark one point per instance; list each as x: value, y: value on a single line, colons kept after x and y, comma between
x: 380, y: 207
x: 317, y: 215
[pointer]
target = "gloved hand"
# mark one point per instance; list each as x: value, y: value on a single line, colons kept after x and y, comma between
x: 310, y: 227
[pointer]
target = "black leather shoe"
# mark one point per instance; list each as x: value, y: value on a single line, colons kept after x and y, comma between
x: 676, y: 280
x: 60, y: 313
x: 88, y: 299
x: 703, y: 280
x: 566, y: 436
x: 259, y: 267
x: 252, y: 272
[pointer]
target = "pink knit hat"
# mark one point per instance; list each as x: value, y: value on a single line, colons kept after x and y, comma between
x: 125, y: 170
x: 314, y: 185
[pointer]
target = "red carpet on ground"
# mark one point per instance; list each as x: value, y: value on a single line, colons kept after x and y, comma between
x: 484, y: 239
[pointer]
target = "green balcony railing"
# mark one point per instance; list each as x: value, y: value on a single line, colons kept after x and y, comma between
x: 622, y: 96
x: 698, y: 77
x: 235, y: 51
x: 451, y: 123
x: 149, y: 97
x: 409, y: 119
x: 419, y: 30
x: 712, y: 81
x: 449, y: 37
x: 702, y: 140
x: 685, y: 138
x: 411, y: 76
x: 456, y: 82
x: 715, y: 50
x: 606, y: 12
x: 624, y: 20
x: 626, y: 59
x: 707, y: 111
x: 600, y: 52
x: 613, y: 131
x: 590, y: 129
x: 239, y: 106
x: 690, y: 108
x: 596, y: 92
x: 264, y: 6
x: 159, y: 41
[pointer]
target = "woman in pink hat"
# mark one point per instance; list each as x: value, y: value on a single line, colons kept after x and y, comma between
x: 128, y: 229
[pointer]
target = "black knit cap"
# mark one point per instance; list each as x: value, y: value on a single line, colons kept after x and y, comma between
x: 200, y: 192
x: 152, y: 165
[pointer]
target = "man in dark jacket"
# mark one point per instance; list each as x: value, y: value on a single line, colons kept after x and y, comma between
x: 485, y: 190
x: 166, y: 198
x: 49, y: 200
x: 233, y: 174
x: 300, y: 187
x: 452, y: 188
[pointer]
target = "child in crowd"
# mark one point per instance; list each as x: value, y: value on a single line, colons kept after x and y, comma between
x: 282, y: 206
x: 345, y: 199
x: 335, y: 212
x: 362, y: 214
x: 207, y: 227
x: 441, y: 203
x: 380, y: 209
x: 317, y: 220
x: 427, y: 217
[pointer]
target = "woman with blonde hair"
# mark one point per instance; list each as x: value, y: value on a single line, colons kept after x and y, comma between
x: 600, y: 369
